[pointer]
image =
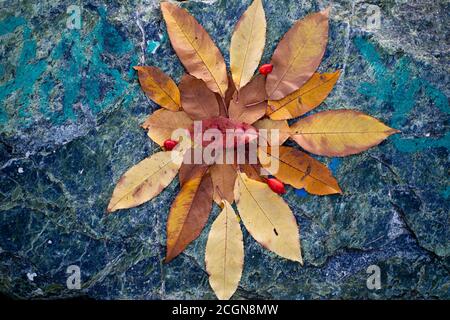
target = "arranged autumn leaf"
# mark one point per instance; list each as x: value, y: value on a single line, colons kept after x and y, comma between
x: 197, y: 100
x: 247, y: 44
x: 269, y: 125
x: 223, y: 103
x: 223, y: 178
x: 248, y: 105
x: 159, y: 87
x: 267, y: 218
x: 162, y: 123
x: 299, y: 170
x: 194, y: 47
x: 145, y: 180
x: 339, y: 133
x: 308, y: 97
x: 189, y: 213
x: 224, y: 255
x: 298, y: 55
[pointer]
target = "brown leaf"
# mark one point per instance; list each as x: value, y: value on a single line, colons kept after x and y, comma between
x: 298, y: 55
x: 253, y: 171
x: 189, y: 213
x: 194, y: 47
x: 308, y: 97
x: 223, y: 178
x: 161, y: 123
x: 159, y: 87
x: 247, y: 44
x: 197, y: 100
x: 339, y: 133
x: 249, y: 104
x: 269, y: 125
x: 224, y: 103
x: 300, y: 170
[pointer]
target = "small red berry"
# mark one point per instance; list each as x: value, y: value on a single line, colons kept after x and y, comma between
x: 170, y: 144
x: 276, y: 185
x: 265, y: 69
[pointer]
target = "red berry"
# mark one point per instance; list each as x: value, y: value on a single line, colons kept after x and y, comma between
x: 276, y: 185
x: 170, y: 144
x: 265, y: 69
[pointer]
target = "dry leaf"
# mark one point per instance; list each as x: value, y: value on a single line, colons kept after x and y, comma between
x: 300, y: 170
x: 309, y: 96
x: 249, y: 104
x: 253, y: 171
x: 197, y: 100
x: 194, y: 47
x: 189, y: 213
x: 223, y: 178
x: 298, y: 55
x: 247, y: 44
x: 267, y: 218
x: 162, y: 123
x: 224, y: 255
x: 268, y: 124
x: 224, y: 103
x: 159, y: 87
x: 145, y: 180
x: 339, y: 133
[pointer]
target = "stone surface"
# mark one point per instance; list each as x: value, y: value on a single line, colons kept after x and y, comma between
x: 70, y: 109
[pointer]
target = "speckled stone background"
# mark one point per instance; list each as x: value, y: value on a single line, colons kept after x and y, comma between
x: 70, y: 109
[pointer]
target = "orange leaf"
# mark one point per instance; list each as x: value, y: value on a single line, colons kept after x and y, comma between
x: 189, y: 213
x: 161, y: 123
x: 194, y: 47
x: 248, y: 105
x: 300, y: 170
x: 159, y: 87
x: 223, y: 178
x: 298, y: 55
x: 309, y: 96
x: 339, y: 133
x: 197, y: 100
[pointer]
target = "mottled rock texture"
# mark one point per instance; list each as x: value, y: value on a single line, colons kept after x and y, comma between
x: 70, y: 110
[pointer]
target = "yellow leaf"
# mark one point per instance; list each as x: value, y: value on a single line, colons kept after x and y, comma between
x: 299, y: 170
x: 309, y: 96
x: 159, y: 87
x: 298, y: 55
x: 269, y: 125
x: 189, y: 213
x: 194, y: 47
x: 224, y: 255
x: 247, y: 44
x: 161, y: 123
x: 339, y: 133
x: 267, y: 218
x: 145, y: 180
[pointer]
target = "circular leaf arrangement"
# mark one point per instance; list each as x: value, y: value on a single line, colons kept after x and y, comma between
x: 286, y: 88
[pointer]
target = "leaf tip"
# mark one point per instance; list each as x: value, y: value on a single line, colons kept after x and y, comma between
x: 326, y: 11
